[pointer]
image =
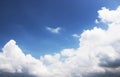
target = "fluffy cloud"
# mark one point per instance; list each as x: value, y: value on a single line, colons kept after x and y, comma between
x: 107, y: 15
x: 97, y: 56
x: 53, y: 30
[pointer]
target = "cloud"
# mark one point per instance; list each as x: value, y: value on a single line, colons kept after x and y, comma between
x: 53, y: 30
x: 76, y: 35
x: 96, y: 21
x: 97, y: 56
x: 7, y: 74
x: 107, y: 15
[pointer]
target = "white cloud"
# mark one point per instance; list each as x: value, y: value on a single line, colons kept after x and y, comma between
x: 97, y: 56
x: 96, y: 21
x: 76, y: 35
x: 53, y: 30
x: 107, y: 15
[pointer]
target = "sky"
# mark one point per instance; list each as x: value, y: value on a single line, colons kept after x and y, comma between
x: 26, y: 21
x: 60, y: 38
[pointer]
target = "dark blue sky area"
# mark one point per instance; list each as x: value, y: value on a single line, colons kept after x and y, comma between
x: 25, y: 21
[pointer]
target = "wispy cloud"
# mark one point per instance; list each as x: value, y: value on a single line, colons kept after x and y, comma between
x: 76, y: 35
x: 97, y: 56
x: 53, y: 30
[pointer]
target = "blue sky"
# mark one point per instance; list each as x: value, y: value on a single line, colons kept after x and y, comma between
x: 26, y: 21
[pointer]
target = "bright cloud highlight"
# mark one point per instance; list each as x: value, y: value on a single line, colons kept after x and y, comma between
x: 97, y: 56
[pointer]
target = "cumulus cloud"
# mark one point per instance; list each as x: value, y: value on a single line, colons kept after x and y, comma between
x: 107, y: 15
x: 53, y: 30
x: 97, y: 56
